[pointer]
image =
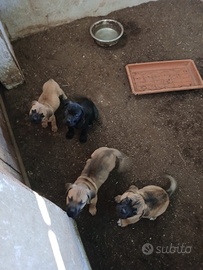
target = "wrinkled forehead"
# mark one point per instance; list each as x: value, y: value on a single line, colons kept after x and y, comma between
x: 38, y: 109
x: 128, y: 195
x: 74, y: 107
x: 33, y: 109
x: 77, y: 194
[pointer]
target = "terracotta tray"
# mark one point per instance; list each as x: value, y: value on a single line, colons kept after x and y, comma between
x: 157, y: 77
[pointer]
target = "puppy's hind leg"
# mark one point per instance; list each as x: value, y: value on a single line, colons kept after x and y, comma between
x: 53, y: 123
x: 90, y: 123
x: 92, y: 207
x: 70, y: 133
x: 62, y: 94
x: 125, y: 222
x: 152, y: 218
x: 118, y: 198
x: 44, y: 123
x: 83, y: 136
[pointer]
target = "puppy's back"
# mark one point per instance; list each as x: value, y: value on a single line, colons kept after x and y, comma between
x: 50, y: 87
x: 50, y: 94
x: 108, y: 157
x: 124, y: 162
x: 88, y: 103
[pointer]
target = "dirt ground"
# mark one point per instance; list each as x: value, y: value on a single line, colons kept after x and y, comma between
x: 162, y: 132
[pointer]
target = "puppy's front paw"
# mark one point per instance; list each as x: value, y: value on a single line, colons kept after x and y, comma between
x: 69, y: 134
x: 92, y: 210
x: 44, y: 124
x: 118, y: 198
x: 83, y: 138
x: 119, y: 222
x: 122, y: 223
x: 54, y: 129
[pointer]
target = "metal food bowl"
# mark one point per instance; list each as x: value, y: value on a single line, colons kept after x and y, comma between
x: 106, y: 32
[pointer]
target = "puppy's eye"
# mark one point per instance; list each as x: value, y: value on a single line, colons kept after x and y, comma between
x: 135, y: 211
x: 81, y: 203
x: 70, y: 199
x: 128, y: 200
x: 135, y: 203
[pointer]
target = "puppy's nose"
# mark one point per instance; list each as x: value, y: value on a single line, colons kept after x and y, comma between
x: 123, y: 211
x: 72, y: 209
x: 71, y: 212
x: 67, y: 121
x: 34, y: 120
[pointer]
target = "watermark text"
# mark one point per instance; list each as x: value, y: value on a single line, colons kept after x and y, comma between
x: 148, y: 249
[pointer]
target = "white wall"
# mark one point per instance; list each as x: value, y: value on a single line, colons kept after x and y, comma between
x: 36, y: 234
x: 24, y: 17
x: 10, y: 72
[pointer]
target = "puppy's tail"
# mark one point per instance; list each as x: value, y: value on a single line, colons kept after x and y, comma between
x: 173, y: 186
x: 124, y: 162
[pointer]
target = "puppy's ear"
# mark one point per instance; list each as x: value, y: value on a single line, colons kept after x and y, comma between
x: 34, y: 102
x: 91, y: 194
x: 49, y: 113
x: 66, y: 102
x: 133, y: 188
x: 68, y: 187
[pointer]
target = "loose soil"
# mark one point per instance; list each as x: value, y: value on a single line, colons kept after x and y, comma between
x: 161, y: 132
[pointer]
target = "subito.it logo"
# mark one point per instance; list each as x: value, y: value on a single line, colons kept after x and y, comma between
x: 147, y: 249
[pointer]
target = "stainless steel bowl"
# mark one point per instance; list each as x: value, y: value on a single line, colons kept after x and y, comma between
x: 106, y: 32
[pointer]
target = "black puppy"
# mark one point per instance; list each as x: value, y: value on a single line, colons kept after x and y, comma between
x: 79, y: 115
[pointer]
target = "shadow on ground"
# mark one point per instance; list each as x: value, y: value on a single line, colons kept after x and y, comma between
x: 162, y: 132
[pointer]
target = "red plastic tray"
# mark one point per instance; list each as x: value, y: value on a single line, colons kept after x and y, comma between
x: 157, y: 77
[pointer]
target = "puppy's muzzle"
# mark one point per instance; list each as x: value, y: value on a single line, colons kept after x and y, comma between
x: 70, y: 122
x: 125, y: 210
x: 35, y: 117
x: 122, y: 211
x: 67, y: 122
x: 35, y: 120
x: 72, y: 210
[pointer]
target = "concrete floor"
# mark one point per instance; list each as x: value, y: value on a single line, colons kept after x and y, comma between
x: 162, y: 132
